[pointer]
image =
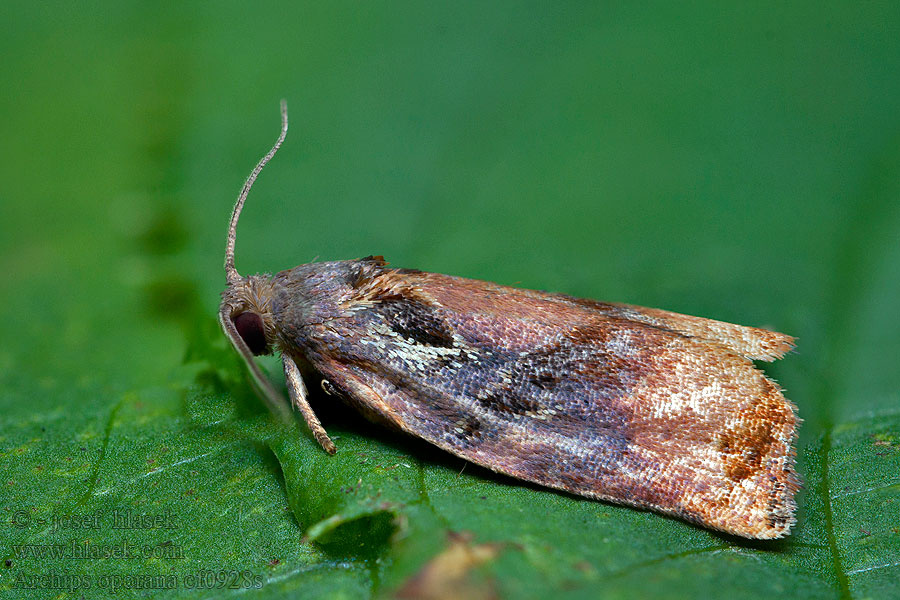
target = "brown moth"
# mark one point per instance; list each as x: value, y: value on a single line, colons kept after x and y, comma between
x: 632, y: 405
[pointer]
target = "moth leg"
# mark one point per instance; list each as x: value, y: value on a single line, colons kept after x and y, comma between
x: 297, y: 391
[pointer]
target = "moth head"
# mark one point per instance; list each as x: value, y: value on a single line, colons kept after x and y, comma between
x: 245, y: 315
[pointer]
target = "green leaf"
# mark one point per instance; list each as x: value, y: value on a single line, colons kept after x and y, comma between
x: 730, y: 163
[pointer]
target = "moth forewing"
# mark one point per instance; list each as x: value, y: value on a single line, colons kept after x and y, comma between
x: 570, y: 394
x: 614, y: 402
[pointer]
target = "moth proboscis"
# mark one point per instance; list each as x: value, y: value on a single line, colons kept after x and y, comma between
x: 614, y: 402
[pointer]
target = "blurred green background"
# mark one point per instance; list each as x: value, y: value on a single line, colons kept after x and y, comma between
x: 735, y: 162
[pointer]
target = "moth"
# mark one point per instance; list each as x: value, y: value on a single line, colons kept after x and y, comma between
x: 631, y: 405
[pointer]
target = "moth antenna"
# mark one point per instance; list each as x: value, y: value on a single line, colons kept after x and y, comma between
x: 231, y: 273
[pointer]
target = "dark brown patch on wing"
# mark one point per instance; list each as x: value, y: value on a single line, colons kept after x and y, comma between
x: 505, y: 401
x: 375, y: 259
x: 546, y: 380
x: 416, y: 321
x: 593, y: 305
x: 363, y: 271
x: 470, y: 432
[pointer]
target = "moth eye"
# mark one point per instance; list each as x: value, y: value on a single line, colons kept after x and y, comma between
x: 250, y: 328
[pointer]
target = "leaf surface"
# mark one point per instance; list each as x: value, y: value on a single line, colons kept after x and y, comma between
x: 740, y: 165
